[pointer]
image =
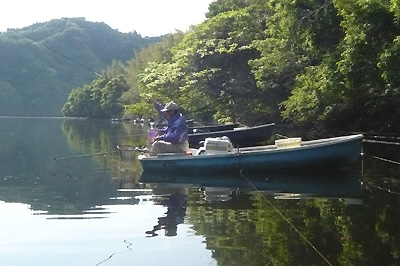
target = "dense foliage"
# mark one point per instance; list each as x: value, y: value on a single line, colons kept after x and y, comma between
x: 351, y: 83
x: 304, y: 61
x: 42, y: 63
x: 312, y: 62
x: 97, y: 100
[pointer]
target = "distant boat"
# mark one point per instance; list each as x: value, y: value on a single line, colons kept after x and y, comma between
x: 239, y: 136
x: 219, y: 156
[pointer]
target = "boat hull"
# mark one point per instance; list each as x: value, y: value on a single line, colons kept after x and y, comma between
x: 311, y: 155
x: 242, y: 137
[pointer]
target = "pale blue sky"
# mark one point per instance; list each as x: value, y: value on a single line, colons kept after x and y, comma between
x: 147, y: 17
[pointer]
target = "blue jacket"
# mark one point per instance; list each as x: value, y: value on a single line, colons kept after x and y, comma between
x: 177, y: 130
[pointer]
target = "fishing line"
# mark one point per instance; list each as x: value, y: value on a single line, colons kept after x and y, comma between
x: 286, y: 220
x: 134, y: 93
x: 63, y: 55
x: 83, y: 155
x: 242, y: 125
x: 381, y: 137
x: 390, y: 120
x: 69, y: 58
x: 281, y: 136
x: 385, y: 160
x: 112, y: 255
x: 387, y: 189
x: 381, y: 142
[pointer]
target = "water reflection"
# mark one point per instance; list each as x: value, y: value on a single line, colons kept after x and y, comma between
x: 234, y: 213
x: 174, y: 198
x: 352, y: 219
x: 333, y: 184
x: 76, y: 184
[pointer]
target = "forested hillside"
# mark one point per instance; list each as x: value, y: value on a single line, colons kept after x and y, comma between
x: 330, y: 63
x: 313, y: 62
x: 42, y: 63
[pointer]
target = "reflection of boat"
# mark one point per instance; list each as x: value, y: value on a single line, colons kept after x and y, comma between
x: 240, y: 136
x: 212, y: 128
x: 333, y: 184
x: 218, y: 155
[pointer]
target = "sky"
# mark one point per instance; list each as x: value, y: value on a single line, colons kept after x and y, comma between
x: 146, y: 17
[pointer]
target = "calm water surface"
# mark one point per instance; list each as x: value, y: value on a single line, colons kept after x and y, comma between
x: 67, y: 197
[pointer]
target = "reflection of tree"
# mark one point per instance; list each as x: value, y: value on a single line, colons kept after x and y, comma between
x: 315, y: 219
x: 30, y: 175
x: 247, y: 231
x: 372, y: 231
x: 91, y: 136
x: 175, y: 199
x: 376, y: 239
x: 99, y: 136
x: 226, y: 226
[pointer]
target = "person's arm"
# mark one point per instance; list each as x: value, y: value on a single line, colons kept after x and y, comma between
x: 174, y: 135
x: 177, y: 132
x: 157, y: 106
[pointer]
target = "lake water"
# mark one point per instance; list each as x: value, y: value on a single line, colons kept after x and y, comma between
x: 68, y: 198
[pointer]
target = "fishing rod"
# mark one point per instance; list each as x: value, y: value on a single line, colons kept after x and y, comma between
x: 135, y: 94
x: 63, y: 55
x: 76, y: 62
x: 121, y: 149
x: 83, y: 155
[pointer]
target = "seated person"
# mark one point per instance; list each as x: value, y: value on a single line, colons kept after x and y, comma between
x: 174, y: 138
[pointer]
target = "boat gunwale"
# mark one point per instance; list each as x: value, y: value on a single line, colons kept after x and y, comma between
x: 304, y: 144
x: 258, y: 150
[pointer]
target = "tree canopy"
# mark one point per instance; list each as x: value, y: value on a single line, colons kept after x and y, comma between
x: 325, y: 62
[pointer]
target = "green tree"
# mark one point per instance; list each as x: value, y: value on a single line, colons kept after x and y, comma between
x: 140, y: 65
x: 306, y: 61
x: 356, y: 79
x: 209, y: 74
x: 78, y: 104
x: 111, y: 93
x: 98, y: 100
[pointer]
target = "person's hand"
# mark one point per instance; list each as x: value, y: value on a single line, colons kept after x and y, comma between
x: 151, y: 101
x: 159, y: 137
